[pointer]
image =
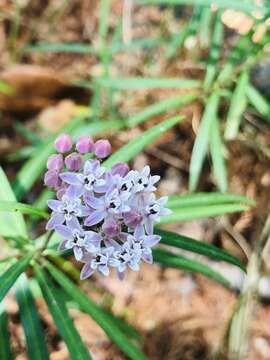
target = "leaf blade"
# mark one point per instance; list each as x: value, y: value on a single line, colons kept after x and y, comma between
x: 12, y: 206
x: 5, y: 346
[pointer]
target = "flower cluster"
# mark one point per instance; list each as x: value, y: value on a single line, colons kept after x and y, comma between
x: 106, y: 216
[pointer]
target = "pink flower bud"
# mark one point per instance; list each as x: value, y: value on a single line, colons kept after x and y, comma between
x: 51, y: 179
x: 73, y: 161
x: 85, y: 144
x: 103, y: 148
x: 111, y: 228
x: 63, y: 143
x: 61, y: 192
x: 55, y: 162
x: 120, y: 168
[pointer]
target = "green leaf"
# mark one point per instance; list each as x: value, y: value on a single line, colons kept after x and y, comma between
x: 199, y: 247
x: 217, y: 39
x: 237, y: 107
x: 60, y: 47
x: 36, y: 346
x: 202, y: 199
x: 259, y: 102
x: 5, y: 346
x: 219, y: 165
x: 61, y: 317
x: 8, y: 278
x: 177, y: 40
x: 11, y: 206
x: 147, y: 83
x: 184, y: 263
x: 97, y: 314
x: 128, y: 151
x: 205, y: 26
x: 200, y: 212
x: 160, y: 107
x: 202, y: 140
x: 11, y: 225
x: 37, y: 163
x: 243, y: 5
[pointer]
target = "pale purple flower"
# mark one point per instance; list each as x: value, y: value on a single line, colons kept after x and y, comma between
x: 108, y: 205
x: 143, y: 181
x: 52, y: 179
x: 69, y: 207
x: 111, y: 227
x: 103, y: 148
x: 97, y: 262
x: 153, y: 209
x: 125, y: 257
x: 55, y: 162
x: 92, y: 178
x: 76, y: 238
x: 63, y: 143
x: 73, y: 161
x: 85, y: 144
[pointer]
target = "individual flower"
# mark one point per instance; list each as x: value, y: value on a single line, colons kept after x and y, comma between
x: 73, y: 161
x: 66, y: 209
x: 103, y: 149
x: 143, y: 181
x: 110, y: 204
x: 100, y: 261
x: 78, y: 239
x: 111, y: 227
x: 92, y: 178
x: 55, y: 162
x: 52, y: 179
x: 85, y: 144
x: 153, y: 209
x: 63, y: 143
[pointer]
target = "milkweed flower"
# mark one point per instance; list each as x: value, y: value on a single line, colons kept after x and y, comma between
x: 105, y: 216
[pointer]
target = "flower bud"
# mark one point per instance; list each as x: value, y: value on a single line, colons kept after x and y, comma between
x: 120, y: 168
x: 51, y: 179
x: 111, y: 227
x: 63, y: 143
x: 85, y: 144
x: 60, y: 192
x: 73, y: 161
x: 103, y: 148
x: 55, y: 162
x: 132, y: 218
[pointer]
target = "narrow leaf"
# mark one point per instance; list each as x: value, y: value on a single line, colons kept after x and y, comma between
x: 216, y: 148
x: 205, y: 26
x: 160, y: 107
x: 5, y: 346
x: 202, y: 199
x: 202, y: 140
x: 11, y: 206
x: 29, y: 316
x: 128, y: 151
x: 61, y: 317
x: 168, y: 259
x: 96, y: 313
x: 8, y: 278
x: 199, y: 247
x: 259, y: 102
x: 200, y: 212
x: 237, y: 107
x: 11, y: 225
x: 147, y: 83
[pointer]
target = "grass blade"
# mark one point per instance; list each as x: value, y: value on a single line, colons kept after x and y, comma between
x: 168, y: 259
x: 60, y: 47
x: 245, y: 6
x: 63, y: 321
x: 200, y: 212
x: 11, y: 206
x: 5, y: 346
x: 8, y: 278
x: 219, y: 165
x: 202, y: 140
x: 147, y: 83
x: 160, y: 107
x: 36, y: 346
x: 203, y: 199
x: 199, y: 247
x: 259, y: 102
x: 217, y: 39
x: 205, y: 25
x: 11, y: 225
x: 128, y: 151
x: 97, y: 314
x: 237, y: 107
